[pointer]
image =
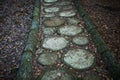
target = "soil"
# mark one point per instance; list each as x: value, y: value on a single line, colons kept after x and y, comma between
x: 15, y: 20
x: 105, y: 15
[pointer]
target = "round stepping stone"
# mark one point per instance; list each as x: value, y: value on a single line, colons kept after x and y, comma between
x: 50, y: 0
x: 55, y: 43
x: 51, y: 9
x: 54, y: 22
x: 80, y: 40
x: 70, y: 13
x: 79, y: 59
x: 48, y: 15
x: 91, y: 77
x: 56, y: 75
x: 48, y: 31
x: 70, y: 30
x: 48, y: 58
x: 73, y: 21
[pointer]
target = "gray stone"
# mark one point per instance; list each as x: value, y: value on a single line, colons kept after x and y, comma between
x: 55, y: 43
x: 69, y: 13
x: 48, y: 31
x: 50, y: 0
x: 70, y: 30
x: 79, y: 59
x: 80, y: 40
x: 54, y: 22
x: 51, y: 9
x: 56, y: 75
x: 73, y: 21
x: 49, y: 15
x: 48, y: 58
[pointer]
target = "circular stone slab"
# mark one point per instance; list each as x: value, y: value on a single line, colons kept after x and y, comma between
x: 56, y: 75
x: 51, y: 9
x: 73, y: 21
x: 48, y: 58
x: 80, y: 40
x: 70, y: 13
x: 48, y: 31
x: 55, y: 43
x: 50, y: 0
x: 79, y: 59
x: 54, y: 22
x: 70, y: 30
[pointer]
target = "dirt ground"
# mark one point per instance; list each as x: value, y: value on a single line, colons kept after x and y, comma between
x: 105, y: 14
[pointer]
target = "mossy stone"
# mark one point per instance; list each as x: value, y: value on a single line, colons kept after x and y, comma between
x: 48, y: 58
x: 80, y: 40
x: 70, y: 30
x: 55, y: 43
x: 79, y: 59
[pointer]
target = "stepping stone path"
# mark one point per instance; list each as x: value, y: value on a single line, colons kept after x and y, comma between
x: 66, y: 48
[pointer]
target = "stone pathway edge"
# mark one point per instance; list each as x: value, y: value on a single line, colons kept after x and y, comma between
x: 25, y: 69
x: 106, y: 55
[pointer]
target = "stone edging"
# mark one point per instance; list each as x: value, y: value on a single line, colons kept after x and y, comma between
x: 24, y: 72
x: 106, y: 55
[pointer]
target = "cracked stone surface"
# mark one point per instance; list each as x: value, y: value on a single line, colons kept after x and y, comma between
x: 70, y: 30
x: 50, y: 0
x: 55, y: 43
x: 51, y: 9
x: 80, y: 40
x: 69, y: 13
x: 79, y: 59
x: 54, y: 22
x: 56, y: 75
x: 47, y: 58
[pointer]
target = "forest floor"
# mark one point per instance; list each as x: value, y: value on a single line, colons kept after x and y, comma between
x: 105, y: 15
x: 16, y: 19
